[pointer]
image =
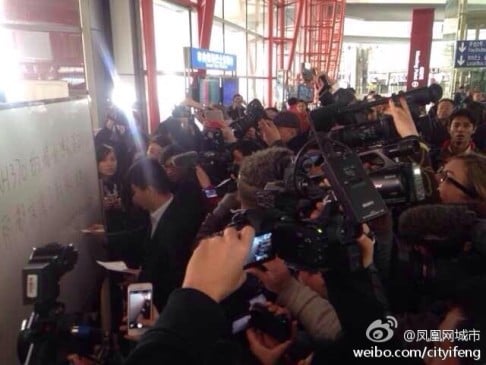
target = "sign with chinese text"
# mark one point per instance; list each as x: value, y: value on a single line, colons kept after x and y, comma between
x: 204, y: 59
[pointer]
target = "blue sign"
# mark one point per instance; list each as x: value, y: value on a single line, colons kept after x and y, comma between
x: 209, y: 60
x: 470, y: 54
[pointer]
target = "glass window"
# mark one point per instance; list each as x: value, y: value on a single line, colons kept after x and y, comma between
x: 172, y: 34
x: 217, y: 42
x: 218, y: 9
x: 171, y: 92
x: 235, y: 39
x: 256, y: 16
x: 235, y: 12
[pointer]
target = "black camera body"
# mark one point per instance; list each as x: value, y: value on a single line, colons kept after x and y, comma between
x: 254, y: 112
x: 50, y: 334
x: 399, y: 183
x: 40, y: 277
x: 276, y: 325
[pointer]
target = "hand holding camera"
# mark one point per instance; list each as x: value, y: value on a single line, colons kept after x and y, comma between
x: 271, y: 332
x: 221, y: 259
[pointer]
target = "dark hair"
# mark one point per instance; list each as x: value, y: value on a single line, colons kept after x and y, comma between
x: 446, y: 99
x: 463, y: 113
x: 259, y: 169
x: 236, y: 95
x: 270, y: 109
x: 102, y: 151
x: 170, y: 151
x: 161, y: 140
x: 147, y: 172
x: 292, y: 101
x: 246, y: 147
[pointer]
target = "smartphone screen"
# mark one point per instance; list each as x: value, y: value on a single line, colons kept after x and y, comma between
x: 139, y: 307
x: 261, y: 249
x: 211, y: 193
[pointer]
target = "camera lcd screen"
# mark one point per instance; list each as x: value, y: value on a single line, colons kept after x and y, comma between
x: 261, y: 249
x: 139, y: 307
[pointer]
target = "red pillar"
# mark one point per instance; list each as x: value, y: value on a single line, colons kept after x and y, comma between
x: 281, y: 25
x: 205, y: 15
x: 270, y: 54
x: 148, y: 32
x: 420, y: 45
x: 300, y: 7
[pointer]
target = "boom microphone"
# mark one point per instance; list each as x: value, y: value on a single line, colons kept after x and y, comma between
x: 438, y: 221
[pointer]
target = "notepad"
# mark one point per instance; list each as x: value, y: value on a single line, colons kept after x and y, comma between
x: 118, y: 266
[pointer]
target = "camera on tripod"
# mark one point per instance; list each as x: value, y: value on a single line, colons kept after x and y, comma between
x: 40, y: 277
x: 50, y: 334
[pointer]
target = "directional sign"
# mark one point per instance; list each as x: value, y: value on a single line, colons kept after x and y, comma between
x: 470, y: 54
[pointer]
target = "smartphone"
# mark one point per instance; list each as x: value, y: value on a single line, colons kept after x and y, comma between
x: 211, y: 193
x: 140, y: 302
x: 261, y: 250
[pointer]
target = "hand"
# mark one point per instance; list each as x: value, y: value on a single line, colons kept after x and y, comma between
x: 276, y: 278
x: 266, y: 348
x: 366, y: 245
x: 269, y: 131
x: 202, y: 177
x: 228, y: 135
x: 75, y: 359
x: 216, y: 267
x: 146, y: 323
x: 402, y: 118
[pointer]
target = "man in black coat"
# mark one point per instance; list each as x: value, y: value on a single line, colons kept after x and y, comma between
x: 168, y: 249
x: 190, y: 329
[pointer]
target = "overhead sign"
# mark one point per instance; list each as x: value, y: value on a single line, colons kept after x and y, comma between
x: 470, y: 54
x: 204, y: 59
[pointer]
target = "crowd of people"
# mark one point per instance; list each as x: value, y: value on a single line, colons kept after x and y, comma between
x: 170, y: 201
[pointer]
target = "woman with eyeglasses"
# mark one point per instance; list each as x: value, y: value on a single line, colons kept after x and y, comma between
x: 463, y: 180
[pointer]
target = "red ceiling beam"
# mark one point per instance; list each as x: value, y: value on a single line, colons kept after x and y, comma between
x: 186, y: 3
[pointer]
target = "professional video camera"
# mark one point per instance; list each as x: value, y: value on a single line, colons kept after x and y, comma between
x: 325, y: 242
x: 50, y: 333
x: 254, y: 112
x: 217, y: 164
x: 378, y: 143
x: 355, y: 130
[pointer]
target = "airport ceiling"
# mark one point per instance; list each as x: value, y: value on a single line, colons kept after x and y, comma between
x: 391, y: 10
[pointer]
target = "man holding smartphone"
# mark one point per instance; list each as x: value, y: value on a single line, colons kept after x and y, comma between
x: 168, y: 247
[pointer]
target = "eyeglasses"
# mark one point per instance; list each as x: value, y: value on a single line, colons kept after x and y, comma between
x: 444, y: 176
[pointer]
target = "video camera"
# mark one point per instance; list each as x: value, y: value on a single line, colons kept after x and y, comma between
x: 254, y: 112
x: 217, y: 164
x: 378, y: 143
x: 328, y: 240
x: 50, y: 334
x: 40, y: 277
x: 355, y: 130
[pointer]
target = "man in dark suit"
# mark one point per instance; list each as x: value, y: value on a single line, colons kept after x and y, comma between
x: 168, y: 249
